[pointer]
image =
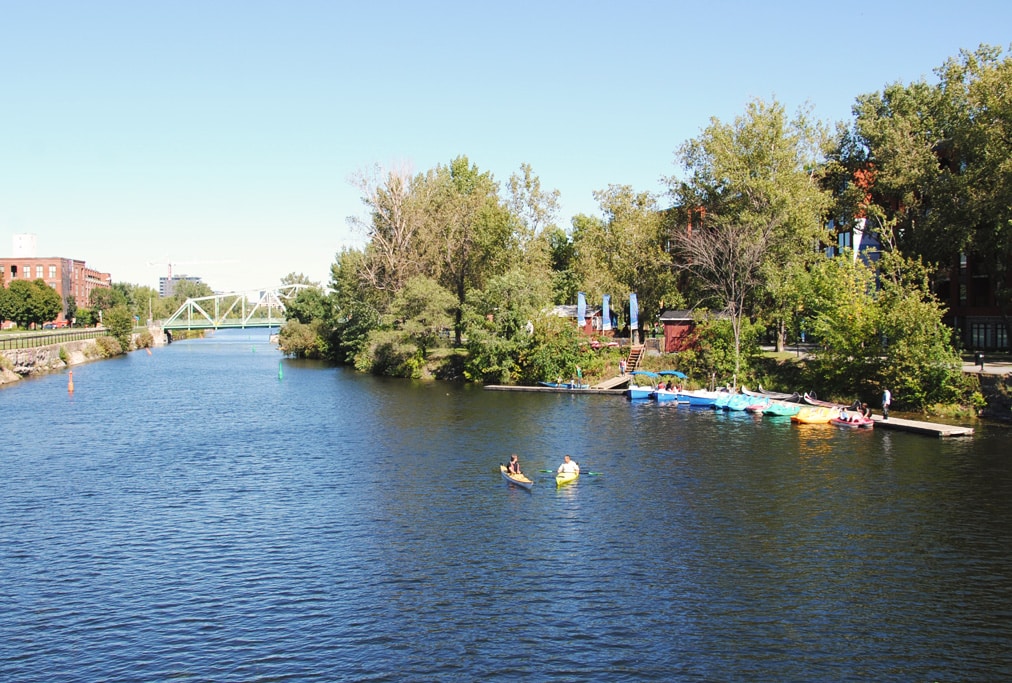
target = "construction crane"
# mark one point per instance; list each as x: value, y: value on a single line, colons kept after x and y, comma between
x: 169, y: 264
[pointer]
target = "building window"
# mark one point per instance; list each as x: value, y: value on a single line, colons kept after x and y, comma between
x: 52, y: 271
x: 1001, y: 336
x: 978, y: 335
x: 38, y: 272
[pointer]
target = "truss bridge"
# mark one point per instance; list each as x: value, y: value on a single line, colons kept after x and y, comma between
x: 251, y: 308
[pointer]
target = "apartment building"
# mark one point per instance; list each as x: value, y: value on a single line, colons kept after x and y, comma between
x: 69, y: 277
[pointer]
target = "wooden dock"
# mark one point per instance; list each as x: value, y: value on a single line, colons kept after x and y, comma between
x: 595, y: 391
x: 919, y: 427
x: 897, y: 423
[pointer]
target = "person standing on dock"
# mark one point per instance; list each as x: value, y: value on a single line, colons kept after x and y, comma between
x: 887, y: 398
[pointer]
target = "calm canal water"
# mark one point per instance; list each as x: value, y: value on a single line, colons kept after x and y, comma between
x: 187, y: 515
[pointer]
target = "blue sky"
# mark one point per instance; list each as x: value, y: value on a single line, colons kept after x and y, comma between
x: 222, y: 135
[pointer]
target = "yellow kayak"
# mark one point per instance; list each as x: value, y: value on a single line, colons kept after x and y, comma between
x: 566, y: 478
x: 518, y: 479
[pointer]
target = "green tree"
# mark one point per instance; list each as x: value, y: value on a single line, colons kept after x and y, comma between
x: 120, y: 323
x: 421, y: 311
x: 302, y: 339
x: 504, y: 322
x: 535, y: 211
x: 70, y: 308
x: 86, y: 317
x: 842, y: 313
x: 6, y: 303
x: 977, y: 93
x: 189, y: 289
x: 933, y: 164
x: 398, y: 206
x: 625, y: 252
x: 104, y: 298
x: 308, y: 305
x: 294, y: 278
x: 755, y: 182
x: 920, y: 365
x: 354, y: 306
x: 32, y: 302
x: 562, y: 255
x: 880, y: 326
x: 470, y: 234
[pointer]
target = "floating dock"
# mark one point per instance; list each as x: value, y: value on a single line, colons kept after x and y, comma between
x: 555, y: 390
x: 897, y: 423
x: 918, y: 427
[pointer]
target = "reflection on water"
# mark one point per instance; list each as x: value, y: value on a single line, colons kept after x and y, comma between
x: 189, y: 515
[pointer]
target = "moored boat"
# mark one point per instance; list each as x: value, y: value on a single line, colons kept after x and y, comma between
x: 664, y: 395
x: 812, y: 401
x: 814, y: 415
x: 564, y: 385
x: 699, y: 397
x: 781, y: 409
x: 757, y: 404
x: 794, y: 397
x: 851, y: 420
x: 723, y: 398
x: 641, y: 391
x: 520, y: 480
x: 740, y: 402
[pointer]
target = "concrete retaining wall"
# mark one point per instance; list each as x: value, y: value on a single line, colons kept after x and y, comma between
x: 41, y: 359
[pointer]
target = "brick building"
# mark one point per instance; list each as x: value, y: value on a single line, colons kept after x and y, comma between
x: 67, y: 276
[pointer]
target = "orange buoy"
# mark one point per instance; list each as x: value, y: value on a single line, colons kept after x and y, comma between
x: 70, y: 383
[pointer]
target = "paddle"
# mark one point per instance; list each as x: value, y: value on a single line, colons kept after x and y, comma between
x: 589, y: 474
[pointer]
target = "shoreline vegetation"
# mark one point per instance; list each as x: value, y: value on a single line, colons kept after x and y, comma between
x: 778, y: 229
x: 446, y: 364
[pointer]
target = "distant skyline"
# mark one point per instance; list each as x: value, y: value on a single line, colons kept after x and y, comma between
x: 226, y: 132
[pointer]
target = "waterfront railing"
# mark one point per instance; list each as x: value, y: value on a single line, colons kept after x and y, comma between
x: 28, y: 340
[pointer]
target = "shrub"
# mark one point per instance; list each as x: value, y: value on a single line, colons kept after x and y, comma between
x: 387, y: 354
x: 120, y: 324
x: 108, y: 346
x: 144, y: 340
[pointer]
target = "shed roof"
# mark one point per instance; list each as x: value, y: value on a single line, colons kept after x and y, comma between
x: 570, y: 310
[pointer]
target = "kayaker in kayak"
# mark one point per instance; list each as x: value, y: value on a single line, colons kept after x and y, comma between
x: 513, y: 467
x: 568, y: 466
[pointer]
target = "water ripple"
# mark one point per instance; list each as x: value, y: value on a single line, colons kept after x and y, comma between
x: 186, y: 515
